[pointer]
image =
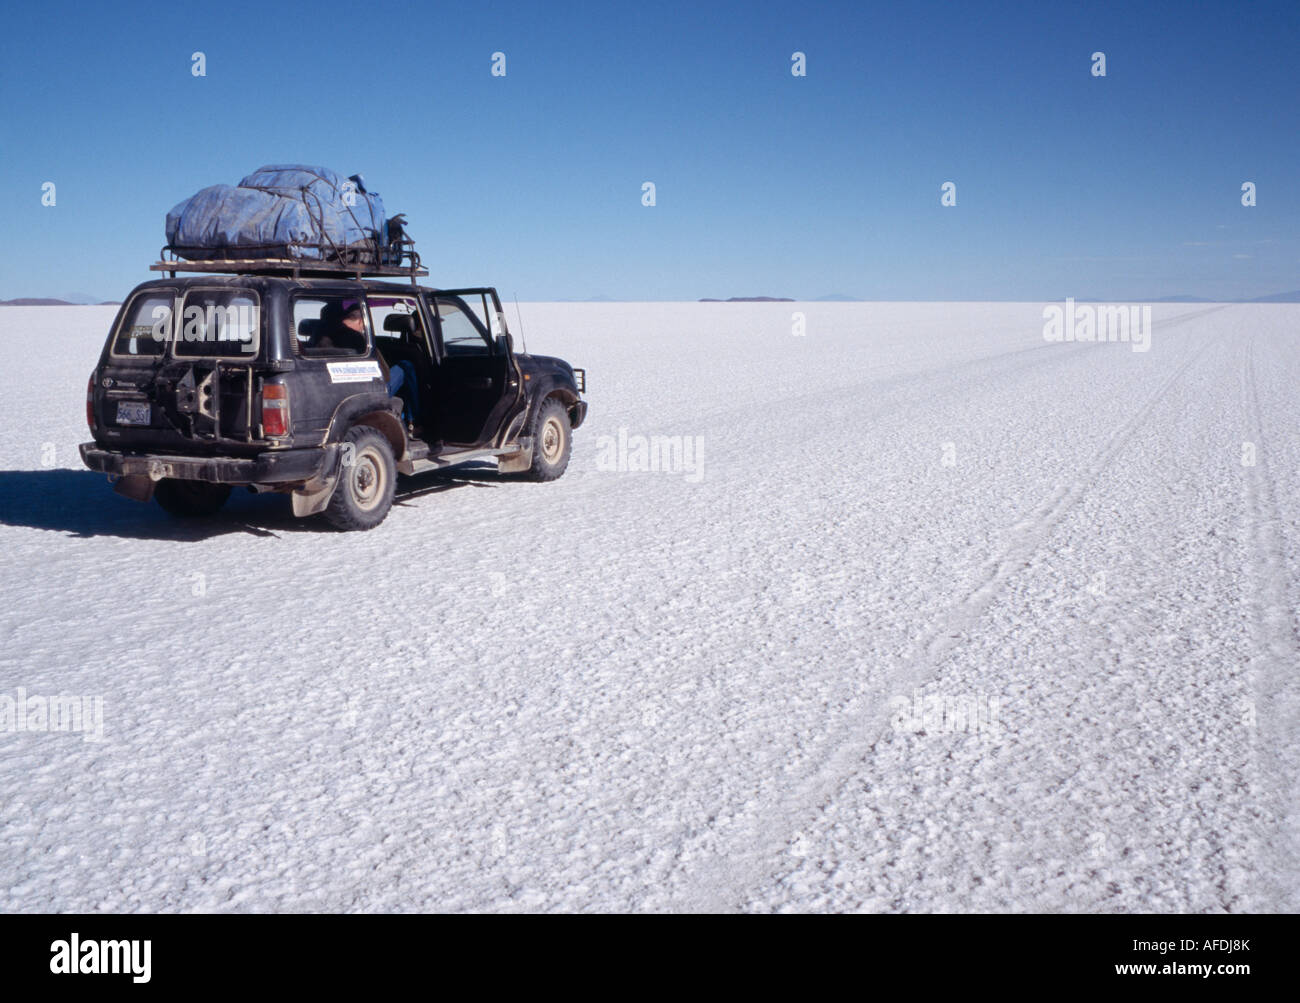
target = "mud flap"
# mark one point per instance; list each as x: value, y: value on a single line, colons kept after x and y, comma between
x: 315, y: 495
x: 138, y: 487
x: 515, y: 463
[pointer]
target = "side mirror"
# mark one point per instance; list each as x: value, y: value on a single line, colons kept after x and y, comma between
x: 505, y: 344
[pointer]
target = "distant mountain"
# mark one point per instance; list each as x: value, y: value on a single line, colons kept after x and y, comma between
x: 1293, y: 297
x: 81, y: 299
x: 751, y: 299
x: 50, y: 301
x: 837, y: 298
x: 1276, y: 298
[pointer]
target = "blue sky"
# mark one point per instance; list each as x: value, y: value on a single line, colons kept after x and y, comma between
x: 1125, y: 187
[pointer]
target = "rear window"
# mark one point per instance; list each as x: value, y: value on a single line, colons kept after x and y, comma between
x: 218, y: 322
x: 146, y: 325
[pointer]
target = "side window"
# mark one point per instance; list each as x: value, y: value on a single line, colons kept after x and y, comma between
x: 146, y: 325
x: 397, y: 319
x: 462, y: 332
x: 485, y: 311
x: 217, y: 322
x: 330, y: 326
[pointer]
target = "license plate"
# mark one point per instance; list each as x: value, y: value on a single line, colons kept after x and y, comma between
x: 132, y: 414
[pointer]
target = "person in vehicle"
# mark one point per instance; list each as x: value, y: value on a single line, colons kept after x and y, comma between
x: 342, y: 328
x: 400, y: 377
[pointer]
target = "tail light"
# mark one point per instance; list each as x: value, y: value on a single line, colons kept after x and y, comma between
x: 275, y: 409
x: 90, y: 402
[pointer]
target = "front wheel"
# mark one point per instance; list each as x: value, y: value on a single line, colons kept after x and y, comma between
x: 364, y: 493
x: 552, y: 441
x: 191, y: 499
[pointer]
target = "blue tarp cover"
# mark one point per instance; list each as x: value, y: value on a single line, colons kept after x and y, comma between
x: 282, y: 210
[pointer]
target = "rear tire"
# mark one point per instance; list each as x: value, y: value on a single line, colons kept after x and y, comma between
x: 364, y: 493
x: 191, y: 499
x: 552, y: 441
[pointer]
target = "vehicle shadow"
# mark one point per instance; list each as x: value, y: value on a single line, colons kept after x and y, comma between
x: 81, y: 503
x: 436, y: 481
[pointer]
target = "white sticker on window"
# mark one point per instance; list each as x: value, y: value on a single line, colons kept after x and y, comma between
x: 353, y: 372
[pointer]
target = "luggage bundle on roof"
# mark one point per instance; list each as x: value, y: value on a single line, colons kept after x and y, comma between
x: 307, y: 217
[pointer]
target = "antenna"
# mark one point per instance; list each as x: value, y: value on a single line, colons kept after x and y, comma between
x: 520, y: 317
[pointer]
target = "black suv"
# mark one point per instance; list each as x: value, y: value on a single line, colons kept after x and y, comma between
x: 279, y: 382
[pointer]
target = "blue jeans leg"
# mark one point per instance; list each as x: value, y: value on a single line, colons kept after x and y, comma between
x: 402, y: 374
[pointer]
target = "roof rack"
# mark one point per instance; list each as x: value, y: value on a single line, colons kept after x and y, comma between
x: 295, y: 268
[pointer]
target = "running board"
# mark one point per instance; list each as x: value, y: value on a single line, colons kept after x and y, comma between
x: 452, y: 458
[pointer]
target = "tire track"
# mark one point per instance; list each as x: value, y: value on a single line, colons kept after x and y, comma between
x: 887, y: 392
x: 1273, y: 667
x: 738, y: 867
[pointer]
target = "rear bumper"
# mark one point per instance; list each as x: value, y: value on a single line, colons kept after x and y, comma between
x: 286, y: 467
